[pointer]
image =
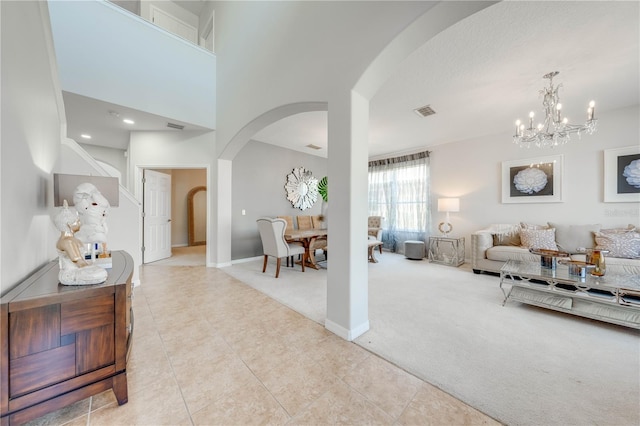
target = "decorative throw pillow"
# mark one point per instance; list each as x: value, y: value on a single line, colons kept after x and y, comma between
x: 539, y: 238
x: 524, y: 225
x: 507, y: 239
x: 629, y: 227
x: 570, y: 238
x: 620, y: 244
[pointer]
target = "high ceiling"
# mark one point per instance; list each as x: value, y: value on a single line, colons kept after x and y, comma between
x: 480, y: 76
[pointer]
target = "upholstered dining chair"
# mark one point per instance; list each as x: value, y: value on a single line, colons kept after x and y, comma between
x: 274, y: 244
x: 289, y: 229
x: 375, y: 229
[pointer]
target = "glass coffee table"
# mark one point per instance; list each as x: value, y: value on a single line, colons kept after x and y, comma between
x: 614, y: 297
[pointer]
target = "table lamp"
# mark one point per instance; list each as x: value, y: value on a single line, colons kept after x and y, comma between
x: 447, y: 205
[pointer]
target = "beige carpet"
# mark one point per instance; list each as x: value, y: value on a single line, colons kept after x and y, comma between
x: 519, y: 364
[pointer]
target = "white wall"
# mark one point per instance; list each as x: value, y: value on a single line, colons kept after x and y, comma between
x: 117, y: 61
x: 170, y: 150
x: 31, y: 133
x: 114, y: 157
x: 471, y: 170
x: 167, y: 150
x: 259, y: 174
x: 307, y: 51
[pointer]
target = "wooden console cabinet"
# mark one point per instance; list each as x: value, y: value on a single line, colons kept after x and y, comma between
x: 61, y: 344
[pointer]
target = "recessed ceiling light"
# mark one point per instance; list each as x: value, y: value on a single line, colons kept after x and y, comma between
x: 128, y: 121
x: 85, y: 136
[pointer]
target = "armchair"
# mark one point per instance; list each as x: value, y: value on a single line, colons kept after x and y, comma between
x: 375, y: 229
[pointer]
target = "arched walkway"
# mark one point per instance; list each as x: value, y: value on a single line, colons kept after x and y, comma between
x: 348, y: 118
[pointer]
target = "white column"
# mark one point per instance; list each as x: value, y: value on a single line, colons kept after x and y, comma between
x: 347, y: 277
x: 219, y: 238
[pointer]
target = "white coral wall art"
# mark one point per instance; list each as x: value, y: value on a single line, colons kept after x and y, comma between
x: 622, y: 175
x: 533, y: 180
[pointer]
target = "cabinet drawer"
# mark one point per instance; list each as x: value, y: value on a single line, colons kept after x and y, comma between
x: 34, y: 330
x: 42, y: 369
x: 86, y: 314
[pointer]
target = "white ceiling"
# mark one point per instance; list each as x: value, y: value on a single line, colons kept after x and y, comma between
x: 479, y: 76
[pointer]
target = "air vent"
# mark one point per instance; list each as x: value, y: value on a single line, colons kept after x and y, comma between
x: 175, y: 126
x: 424, y: 111
x: 312, y: 146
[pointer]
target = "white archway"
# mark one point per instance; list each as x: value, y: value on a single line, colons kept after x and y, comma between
x: 347, y: 292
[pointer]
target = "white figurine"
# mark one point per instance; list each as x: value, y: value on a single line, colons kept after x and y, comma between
x: 93, y: 209
x: 74, y: 269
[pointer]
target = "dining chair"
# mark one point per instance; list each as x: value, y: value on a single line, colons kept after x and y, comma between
x: 273, y: 243
x: 288, y: 230
x: 304, y: 222
x: 320, y: 243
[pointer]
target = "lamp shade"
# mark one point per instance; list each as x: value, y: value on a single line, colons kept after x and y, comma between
x: 448, y: 204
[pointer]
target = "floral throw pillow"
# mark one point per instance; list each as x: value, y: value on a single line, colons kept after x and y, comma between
x: 619, y: 244
x: 524, y: 225
x: 539, y: 238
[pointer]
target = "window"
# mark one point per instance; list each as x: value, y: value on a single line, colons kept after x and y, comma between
x: 399, y: 192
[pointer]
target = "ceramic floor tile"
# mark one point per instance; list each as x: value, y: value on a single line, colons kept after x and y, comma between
x: 63, y: 415
x: 297, y: 383
x: 249, y: 405
x: 433, y: 407
x: 382, y: 383
x: 80, y: 421
x: 102, y: 399
x: 204, y: 382
x: 212, y: 350
x: 158, y: 404
x: 341, y: 405
x: 338, y: 356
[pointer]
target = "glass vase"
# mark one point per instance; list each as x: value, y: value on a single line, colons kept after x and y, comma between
x: 597, y: 259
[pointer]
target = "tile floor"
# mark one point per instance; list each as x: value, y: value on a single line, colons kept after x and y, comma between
x: 209, y: 350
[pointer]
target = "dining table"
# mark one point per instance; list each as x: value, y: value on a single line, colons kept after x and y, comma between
x: 306, y: 237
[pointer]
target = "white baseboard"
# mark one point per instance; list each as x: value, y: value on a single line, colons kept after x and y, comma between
x: 246, y: 259
x: 346, y: 334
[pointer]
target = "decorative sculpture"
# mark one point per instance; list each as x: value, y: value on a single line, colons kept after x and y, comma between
x: 74, y: 269
x: 93, y: 209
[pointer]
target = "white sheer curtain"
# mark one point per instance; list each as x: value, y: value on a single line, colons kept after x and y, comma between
x: 399, y: 192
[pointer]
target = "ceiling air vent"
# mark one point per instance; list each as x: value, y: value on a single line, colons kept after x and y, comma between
x: 424, y: 111
x: 175, y: 126
x: 312, y: 146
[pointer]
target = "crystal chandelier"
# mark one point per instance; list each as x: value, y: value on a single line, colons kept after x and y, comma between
x: 555, y: 130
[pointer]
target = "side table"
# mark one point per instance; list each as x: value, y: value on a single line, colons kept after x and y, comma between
x: 446, y: 250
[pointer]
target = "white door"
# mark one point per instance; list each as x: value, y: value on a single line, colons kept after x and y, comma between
x: 156, y: 216
x: 174, y: 25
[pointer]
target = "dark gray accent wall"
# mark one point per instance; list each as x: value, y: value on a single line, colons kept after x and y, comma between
x: 259, y: 174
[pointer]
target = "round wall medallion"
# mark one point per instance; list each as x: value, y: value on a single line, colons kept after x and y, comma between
x: 302, y: 188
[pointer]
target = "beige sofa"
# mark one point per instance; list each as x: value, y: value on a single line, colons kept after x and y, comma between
x: 493, y: 246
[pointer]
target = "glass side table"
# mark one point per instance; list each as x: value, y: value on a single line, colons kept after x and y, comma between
x: 446, y: 250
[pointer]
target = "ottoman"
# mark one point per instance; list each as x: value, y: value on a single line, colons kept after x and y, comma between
x: 414, y: 249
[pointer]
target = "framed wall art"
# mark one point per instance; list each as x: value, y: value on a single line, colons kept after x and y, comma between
x: 622, y: 175
x: 533, y: 180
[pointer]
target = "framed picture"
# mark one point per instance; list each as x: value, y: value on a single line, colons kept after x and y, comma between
x: 533, y: 180
x: 622, y: 175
